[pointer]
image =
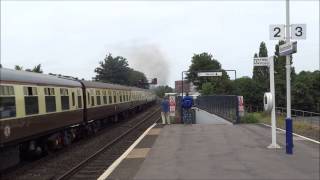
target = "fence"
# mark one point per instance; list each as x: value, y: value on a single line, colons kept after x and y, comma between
x: 223, y: 106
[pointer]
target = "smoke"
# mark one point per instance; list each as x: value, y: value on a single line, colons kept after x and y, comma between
x: 148, y: 59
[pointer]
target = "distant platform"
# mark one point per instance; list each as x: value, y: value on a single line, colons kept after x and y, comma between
x: 217, y: 151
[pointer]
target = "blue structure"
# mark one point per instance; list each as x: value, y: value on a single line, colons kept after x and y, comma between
x: 289, y: 138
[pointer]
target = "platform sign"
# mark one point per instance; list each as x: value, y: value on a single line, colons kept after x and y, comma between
x: 277, y: 32
x: 261, y: 61
x: 288, y: 48
x: 241, y: 106
x: 204, y: 74
x: 172, y: 105
x: 298, y: 31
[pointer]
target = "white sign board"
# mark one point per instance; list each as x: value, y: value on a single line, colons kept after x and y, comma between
x: 241, y: 106
x: 261, y: 61
x: 172, y: 105
x: 201, y: 74
x: 277, y: 32
x: 298, y: 31
x: 288, y: 48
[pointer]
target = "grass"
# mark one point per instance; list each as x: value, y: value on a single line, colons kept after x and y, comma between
x: 299, y: 127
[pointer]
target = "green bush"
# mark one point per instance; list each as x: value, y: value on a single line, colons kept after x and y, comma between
x: 250, y: 118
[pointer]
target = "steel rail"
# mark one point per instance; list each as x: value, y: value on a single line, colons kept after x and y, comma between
x: 76, y: 168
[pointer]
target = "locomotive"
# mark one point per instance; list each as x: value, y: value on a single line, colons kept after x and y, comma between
x: 39, y: 111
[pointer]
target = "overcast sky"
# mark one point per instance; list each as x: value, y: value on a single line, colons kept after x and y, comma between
x: 158, y: 38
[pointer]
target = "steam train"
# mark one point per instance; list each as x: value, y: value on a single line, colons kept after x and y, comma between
x: 39, y: 111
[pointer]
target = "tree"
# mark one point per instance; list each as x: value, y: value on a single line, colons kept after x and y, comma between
x: 306, y: 91
x: 113, y: 70
x: 206, y: 62
x: 248, y: 88
x: 36, y: 69
x: 17, y: 67
x: 261, y: 73
x: 161, y: 90
x: 207, y: 89
x: 137, y: 78
x: 116, y: 70
x: 280, y: 76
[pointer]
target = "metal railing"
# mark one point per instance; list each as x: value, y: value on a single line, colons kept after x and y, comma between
x: 283, y: 111
x: 225, y: 106
x: 297, y: 112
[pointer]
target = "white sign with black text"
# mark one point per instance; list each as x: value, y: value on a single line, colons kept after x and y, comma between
x: 277, y: 32
x: 201, y: 74
x: 261, y: 61
x: 298, y: 31
x: 288, y: 48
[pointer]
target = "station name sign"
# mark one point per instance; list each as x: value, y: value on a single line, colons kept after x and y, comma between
x: 261, y: 61
x: 288, y: 48
x: 204, y: 74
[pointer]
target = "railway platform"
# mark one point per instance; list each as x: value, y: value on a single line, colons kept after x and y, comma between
x: 215, y: 150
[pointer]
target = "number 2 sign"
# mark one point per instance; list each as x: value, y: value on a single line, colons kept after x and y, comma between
x: 277, y: 32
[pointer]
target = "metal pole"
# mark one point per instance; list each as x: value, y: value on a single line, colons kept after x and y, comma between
x: 289, y: 138
x: 273, y: 112
x: 182, y: 85
x: 181, y: 113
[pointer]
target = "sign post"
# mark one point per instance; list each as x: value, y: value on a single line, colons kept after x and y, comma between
x: 270, y: 101
x: 298, y: 31
x: 273, y: 144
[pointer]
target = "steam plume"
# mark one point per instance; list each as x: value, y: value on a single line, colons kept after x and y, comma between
x: 150, y: 60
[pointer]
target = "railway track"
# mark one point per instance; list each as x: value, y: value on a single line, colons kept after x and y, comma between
x: 110, y: 143
x: 94, y: 165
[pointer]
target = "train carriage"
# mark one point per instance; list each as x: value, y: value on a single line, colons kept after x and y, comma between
x: 36, y: 104
x: 39, y: 111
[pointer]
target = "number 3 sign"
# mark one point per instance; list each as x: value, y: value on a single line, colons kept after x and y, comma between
x: 298, y: 31
x: 277, y: 31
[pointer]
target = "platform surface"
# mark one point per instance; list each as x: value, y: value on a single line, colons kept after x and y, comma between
x: 226, y: 152
x: 217, y: 150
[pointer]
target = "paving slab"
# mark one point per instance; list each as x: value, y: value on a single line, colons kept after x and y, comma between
x: 224, y: 151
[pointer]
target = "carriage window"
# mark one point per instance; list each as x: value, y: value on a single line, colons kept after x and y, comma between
x: 7, y: 102
x: 31, y: 100
x: 73, y: 99
x: 104, y: 93
x: 79, y: 102
x: 120, y: 97
x: 110, y: 97
x: 88, y: 95
x: 64, y: 98
x: 92, y: 100
x: 79, y: 98
x: 50, y: 99
x: 114, y: 97
x: 98, y: 97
